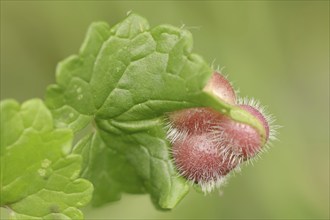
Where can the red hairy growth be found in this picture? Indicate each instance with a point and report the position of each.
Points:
(207, 145)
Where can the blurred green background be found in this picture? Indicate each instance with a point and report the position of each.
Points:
(275, 51)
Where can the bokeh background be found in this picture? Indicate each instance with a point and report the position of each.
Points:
(275, 51)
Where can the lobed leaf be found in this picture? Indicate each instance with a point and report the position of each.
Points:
(39, 179)
(123, 81)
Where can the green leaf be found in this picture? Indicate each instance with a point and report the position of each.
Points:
(39, 179)
(123, 81)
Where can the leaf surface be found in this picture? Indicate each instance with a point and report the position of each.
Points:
(39, 179)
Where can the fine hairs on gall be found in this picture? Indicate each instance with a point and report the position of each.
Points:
(207, 145)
